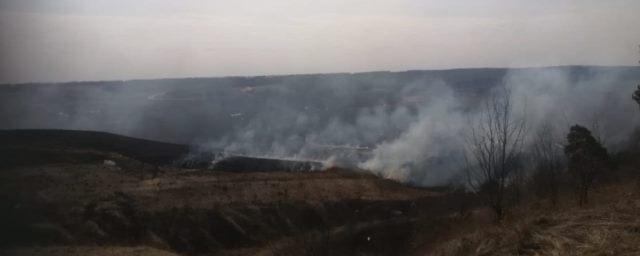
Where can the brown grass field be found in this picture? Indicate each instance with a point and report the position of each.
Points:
(62, 198)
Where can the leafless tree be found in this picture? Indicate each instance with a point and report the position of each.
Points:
(548, 160)
(636, 93)
(494, 148)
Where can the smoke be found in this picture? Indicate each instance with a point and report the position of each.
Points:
(408, 126)
(597, 98)
(435, 135)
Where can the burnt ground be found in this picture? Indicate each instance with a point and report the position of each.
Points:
(52, 146)
(253, 164)
(89, 193)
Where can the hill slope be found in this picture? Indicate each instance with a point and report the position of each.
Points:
(89, 189)
(609, 225)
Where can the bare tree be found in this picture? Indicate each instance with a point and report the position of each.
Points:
(548, 162)
(636, 93)
(494, 147)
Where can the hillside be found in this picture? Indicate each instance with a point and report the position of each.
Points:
(90, 199)
(57, 143)
(77, 195)
(609, 225)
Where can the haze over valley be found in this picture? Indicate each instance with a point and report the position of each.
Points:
(386, 122)
(301, 127)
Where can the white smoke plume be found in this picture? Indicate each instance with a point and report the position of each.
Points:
(408, 126)
(596, 99)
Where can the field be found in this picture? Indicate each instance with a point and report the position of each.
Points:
(80, 196)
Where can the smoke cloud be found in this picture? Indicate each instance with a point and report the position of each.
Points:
(596, 98)
(409, 126)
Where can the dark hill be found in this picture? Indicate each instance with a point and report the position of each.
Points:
(33, 147)
(19, 141)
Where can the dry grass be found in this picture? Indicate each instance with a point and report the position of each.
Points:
(610, 225)
(189, 211)
(80, 183)
(87, 250)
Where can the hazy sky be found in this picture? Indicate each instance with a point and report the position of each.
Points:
(65, 40)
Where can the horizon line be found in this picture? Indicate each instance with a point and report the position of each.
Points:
(310, 74)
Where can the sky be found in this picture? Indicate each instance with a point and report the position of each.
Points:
(79, 40)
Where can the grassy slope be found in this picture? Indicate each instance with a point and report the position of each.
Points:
(63, 197)
(608, 225)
